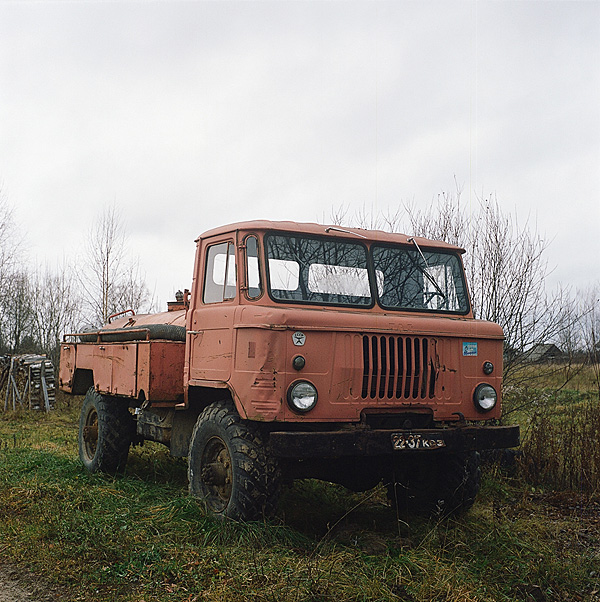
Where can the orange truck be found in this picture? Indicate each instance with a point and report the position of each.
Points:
(302, 351)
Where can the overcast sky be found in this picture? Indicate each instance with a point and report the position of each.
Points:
(189, 115)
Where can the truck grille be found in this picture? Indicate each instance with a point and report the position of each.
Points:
(398, 367)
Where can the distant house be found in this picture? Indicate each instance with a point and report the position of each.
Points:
(544, 353)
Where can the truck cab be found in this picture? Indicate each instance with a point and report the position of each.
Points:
(308, 351)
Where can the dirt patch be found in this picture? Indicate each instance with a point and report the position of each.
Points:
(17, 585)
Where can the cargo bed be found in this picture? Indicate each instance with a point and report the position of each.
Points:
(151, 370)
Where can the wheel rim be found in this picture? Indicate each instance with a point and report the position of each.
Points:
(90, 434)
(216, 474)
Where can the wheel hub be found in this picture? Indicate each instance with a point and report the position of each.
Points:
(90, 434)
(217, 472)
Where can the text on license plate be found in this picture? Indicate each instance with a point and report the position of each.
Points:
(410, 441)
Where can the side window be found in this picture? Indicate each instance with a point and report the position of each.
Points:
(220, 275)
(252, 270)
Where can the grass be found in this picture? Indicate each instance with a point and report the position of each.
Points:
(575, 376)
(139, 537)
(562, 447)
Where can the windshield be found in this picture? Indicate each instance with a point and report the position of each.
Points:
(324, 271)
(406, 280)
(317, 271)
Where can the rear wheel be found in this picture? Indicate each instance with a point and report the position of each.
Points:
(443, 484)
(229, 467)
(106, 430)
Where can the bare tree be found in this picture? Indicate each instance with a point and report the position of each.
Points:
(54, 295)
(506, 268)
(17, 314)
(111, 281)
(10, 245)
(507, 271)
(9, 256)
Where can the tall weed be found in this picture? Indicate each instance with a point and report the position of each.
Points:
(561, 442)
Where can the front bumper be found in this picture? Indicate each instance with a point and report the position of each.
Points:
(366, 442)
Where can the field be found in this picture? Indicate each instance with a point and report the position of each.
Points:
(534, 533)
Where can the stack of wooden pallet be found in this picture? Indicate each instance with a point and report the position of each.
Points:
(31, 374)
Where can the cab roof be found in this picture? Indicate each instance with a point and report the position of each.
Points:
(335, 231)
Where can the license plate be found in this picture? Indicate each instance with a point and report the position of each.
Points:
(410, 441)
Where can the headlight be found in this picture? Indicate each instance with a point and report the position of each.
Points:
(302, 396)
(488, 367)
(485, 398)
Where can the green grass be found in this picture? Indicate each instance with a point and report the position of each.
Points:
(575, 376)
(139, 537)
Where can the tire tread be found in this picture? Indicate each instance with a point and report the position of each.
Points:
(256, 478)
(116, 428)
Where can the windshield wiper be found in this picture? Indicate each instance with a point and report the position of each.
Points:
(335, 229)
(426, 272)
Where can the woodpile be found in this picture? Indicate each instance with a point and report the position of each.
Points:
(27, 381)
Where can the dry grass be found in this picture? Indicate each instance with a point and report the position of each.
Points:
(561, 447)
(558, 409)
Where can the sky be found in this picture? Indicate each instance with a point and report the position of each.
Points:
(189, 115)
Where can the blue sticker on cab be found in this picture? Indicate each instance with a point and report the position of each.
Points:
(470, 348)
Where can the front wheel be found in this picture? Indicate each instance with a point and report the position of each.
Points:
(106, 429)
(229, 466)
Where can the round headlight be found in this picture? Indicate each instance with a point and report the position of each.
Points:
(302, 396)
(485, 398)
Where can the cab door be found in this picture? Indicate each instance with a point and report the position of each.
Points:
(211, 324)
